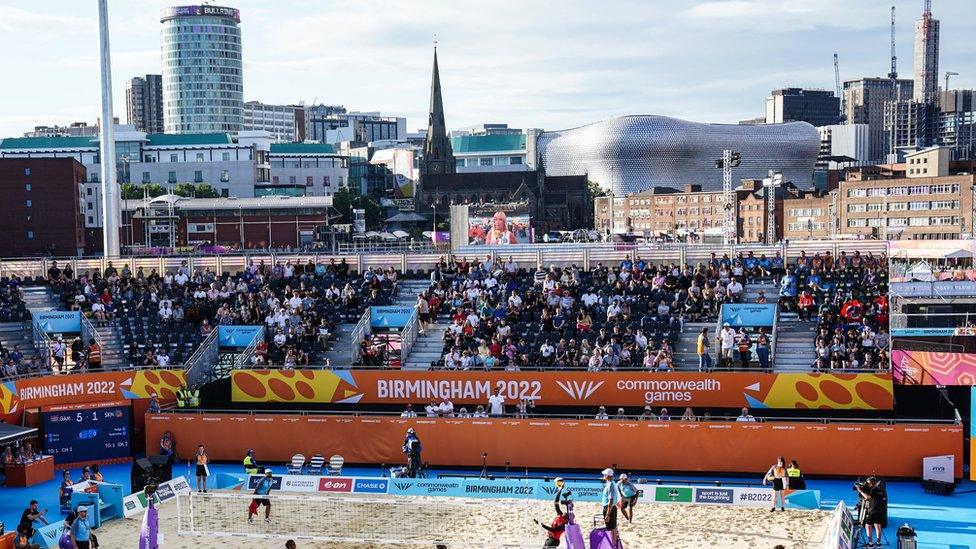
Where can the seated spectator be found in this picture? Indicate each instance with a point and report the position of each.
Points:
(408, 412)
(601, 413)
(648, 414)
(664, 416)
(621, 414)
(745, 415)
(805, 305)
(480, 412)
(689, 415)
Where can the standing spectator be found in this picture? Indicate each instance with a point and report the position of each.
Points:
(762, 349)
(94, 355)
(496, 404)
(745, 345)
(203, 469)
(58, 352)
(154, 407)
(726, 339)
(423, 313)
(704, 358)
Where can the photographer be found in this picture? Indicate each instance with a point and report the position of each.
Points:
(873, 500)
(412, 449)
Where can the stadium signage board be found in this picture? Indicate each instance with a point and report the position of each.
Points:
(927, 368)
(54, 390)
(135, 503)
(569, 388)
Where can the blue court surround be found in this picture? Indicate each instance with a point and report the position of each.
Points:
(941, 522)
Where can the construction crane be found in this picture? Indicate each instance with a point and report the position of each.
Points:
(837, 90)
(893, 75)
(948, 74)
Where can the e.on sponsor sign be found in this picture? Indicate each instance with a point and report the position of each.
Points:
(338, 484)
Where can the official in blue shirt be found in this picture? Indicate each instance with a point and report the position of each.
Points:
(609, 499)
(81, 530)
(263, 489)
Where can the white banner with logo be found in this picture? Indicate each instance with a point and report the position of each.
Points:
(135, 503)
(941, 468)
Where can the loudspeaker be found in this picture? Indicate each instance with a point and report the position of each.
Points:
(155, 467)
(938, 487)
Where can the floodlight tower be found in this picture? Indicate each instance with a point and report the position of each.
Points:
(111, 206)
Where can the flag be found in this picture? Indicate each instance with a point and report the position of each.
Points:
(149, 532)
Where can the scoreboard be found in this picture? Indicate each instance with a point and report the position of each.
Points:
(91, 433)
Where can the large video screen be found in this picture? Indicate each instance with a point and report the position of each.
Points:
(87, 434)
(499, 227)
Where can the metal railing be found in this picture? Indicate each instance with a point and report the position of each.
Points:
(88, 332)
(357, 336)
(932, 320)
(244, 358)
(575, 417)
(408, 336)
(201, 362)
(529, 256)
(41, 341)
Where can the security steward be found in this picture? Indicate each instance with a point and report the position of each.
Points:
(182, 397)
(193, 397)
(251, 466)
(797, 482)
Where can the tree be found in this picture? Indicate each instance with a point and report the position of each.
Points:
(131, 191)
(594, 190)
(345, 201)
(206, 190)
(184, 189)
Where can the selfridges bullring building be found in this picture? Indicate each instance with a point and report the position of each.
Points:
(630, 154)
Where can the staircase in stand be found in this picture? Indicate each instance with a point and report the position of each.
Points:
(795, 350)
(686, 349)
(40, 298)
(114, 354)
(429, 348)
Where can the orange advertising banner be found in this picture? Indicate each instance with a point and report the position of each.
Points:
(568, 388)
(38, 392)
(713, 447)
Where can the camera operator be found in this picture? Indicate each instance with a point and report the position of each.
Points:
(872, 499)
(412, 449)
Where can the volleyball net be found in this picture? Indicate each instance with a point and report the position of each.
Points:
(353, 519)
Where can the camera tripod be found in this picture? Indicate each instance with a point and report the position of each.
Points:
(858, 539)
(484, 465)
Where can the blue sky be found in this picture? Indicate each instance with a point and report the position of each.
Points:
(549, 64)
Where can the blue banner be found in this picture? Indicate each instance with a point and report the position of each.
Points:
(426, 487)
(389, 317)
(749, 315)
(484, 488)
(238, 336)
(58, 321)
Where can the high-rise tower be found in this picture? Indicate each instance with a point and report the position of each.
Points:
(203, 86)
(438, 155)
(926, 56)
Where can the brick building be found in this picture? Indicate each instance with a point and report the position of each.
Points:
(41, 212)
(171, 221)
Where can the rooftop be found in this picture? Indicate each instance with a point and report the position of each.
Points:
(301, 148)
(169, 139)
(265, 202)
(49, 142)
(488, 143)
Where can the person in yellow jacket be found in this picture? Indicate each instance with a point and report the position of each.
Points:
(797, 482)
(193, 397)
(181, 397)
(251, 466)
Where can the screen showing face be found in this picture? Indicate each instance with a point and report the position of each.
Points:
(90, 434)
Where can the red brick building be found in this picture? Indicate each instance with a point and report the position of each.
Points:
(171, 221)
(40, 213)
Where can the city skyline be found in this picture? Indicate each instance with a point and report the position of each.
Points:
(529, 66)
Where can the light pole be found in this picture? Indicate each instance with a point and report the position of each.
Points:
(730, 159)
(111, 207)
(771, 183)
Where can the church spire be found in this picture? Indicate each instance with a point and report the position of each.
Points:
(438, 155)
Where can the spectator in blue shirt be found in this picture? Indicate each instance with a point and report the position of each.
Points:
(787, 289)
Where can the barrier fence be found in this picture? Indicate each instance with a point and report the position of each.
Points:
(714, 447)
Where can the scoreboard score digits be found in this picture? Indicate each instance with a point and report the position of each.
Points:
(87, 435)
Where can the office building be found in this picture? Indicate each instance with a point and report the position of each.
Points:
(815, 107)
(203, 85)
(76, 129)
(864, 103)
(490, 152)
(41, 209)
(926, 58)
(909, 124)
(234, 165)
(957, 123)
(304, 169)
(844, 145)
(630, 154)
(285, 123)
(144, 103)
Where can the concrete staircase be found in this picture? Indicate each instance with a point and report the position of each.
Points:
(341, 353)
(426, 349)
(686, 350)
(40, 298)
(13, 333)
(751, 292)
(794, 347)
(114, 354)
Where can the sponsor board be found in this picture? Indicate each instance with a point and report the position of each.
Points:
(840, 529)
(389, 317)
(714, 496)
(501, 488)
(426, 487)
(135, 503)
(672, 494)
(941, 468)
(561, 388)
(754, 497)
(334, 484)
(371, 486)
(749, 315)
(58, 321)
(238, 336)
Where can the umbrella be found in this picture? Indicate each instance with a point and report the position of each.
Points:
(387, 236)
(401, 234)
(372, 234)
(406, 217)
(428, 234)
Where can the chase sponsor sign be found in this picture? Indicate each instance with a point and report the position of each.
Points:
(371, 486)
